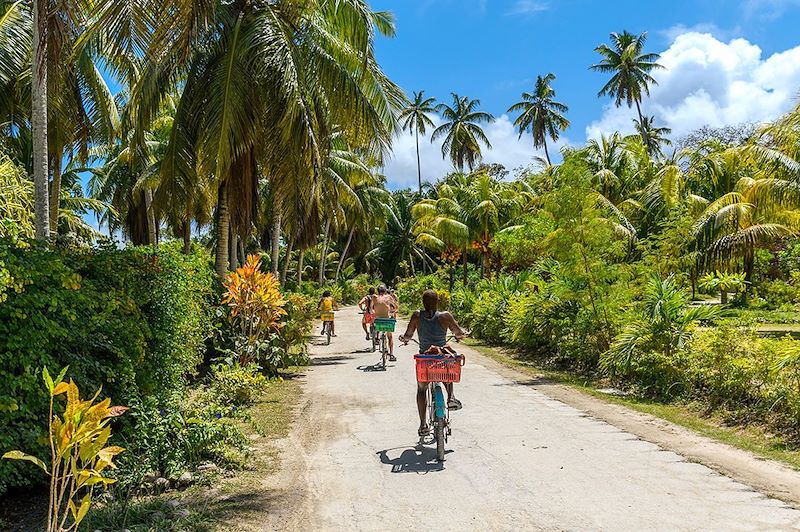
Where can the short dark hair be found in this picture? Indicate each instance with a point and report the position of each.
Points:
(430, 300)
(326, 293)
(382, 289)
(371, 290)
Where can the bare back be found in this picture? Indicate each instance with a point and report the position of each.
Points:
(383, 305)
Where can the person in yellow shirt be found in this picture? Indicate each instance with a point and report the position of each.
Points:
(326, 307)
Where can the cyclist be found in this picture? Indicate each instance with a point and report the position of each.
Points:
(385, 306)
(366, 307)
(325, 307)
(432, 326)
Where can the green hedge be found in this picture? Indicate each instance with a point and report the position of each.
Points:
(131, 321)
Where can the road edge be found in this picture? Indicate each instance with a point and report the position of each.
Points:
(768, 477)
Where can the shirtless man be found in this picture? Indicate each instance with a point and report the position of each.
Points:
(366, 307)
(385, 306)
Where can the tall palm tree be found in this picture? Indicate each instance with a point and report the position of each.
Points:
(254, 68)
(462, 132)
(541, 114)
(631, 70)
(653, 136)
(414, 118)
(41, 16)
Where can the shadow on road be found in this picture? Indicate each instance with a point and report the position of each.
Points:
(418, 459)
(374, 367)
(330, 361)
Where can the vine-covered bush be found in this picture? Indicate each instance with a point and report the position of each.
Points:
(131, 321)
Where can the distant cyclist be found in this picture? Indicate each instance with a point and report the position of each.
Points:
(366, 307)
(325, 307)
(431, 327)
(385, 306)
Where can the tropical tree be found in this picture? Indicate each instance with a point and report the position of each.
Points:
(631, 70)
(541, 114)
(462, 132)
(414, 118)
(398, 243)
(656, 136)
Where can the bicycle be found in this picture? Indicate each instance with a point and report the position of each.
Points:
(373, 335)
(438, 369)
(327, 319)
(382, 326)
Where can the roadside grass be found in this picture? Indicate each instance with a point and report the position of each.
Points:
(218, 499)
(752, 438)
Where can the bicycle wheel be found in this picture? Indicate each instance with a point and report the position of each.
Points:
(439, 435)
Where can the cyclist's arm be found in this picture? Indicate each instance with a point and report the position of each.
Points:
(453, 325)
(362, 303)
(411, 329)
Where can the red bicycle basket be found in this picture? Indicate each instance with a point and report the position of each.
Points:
(438, 369)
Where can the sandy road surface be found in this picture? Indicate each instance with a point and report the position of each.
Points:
(519, 460)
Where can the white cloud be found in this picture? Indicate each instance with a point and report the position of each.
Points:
(527, 7)
(507, 149)
(710, 82)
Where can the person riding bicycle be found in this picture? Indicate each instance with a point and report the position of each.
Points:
(431, 327)
(325, 307)
(385, 306)
(366, 307)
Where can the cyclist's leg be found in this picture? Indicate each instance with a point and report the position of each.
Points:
(452, 402)
(390, 336)
(364, 325)
(422, 403)
(333, 329)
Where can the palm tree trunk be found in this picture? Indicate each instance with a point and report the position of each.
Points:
(547, 154)
(242, 256)
(275, 247)
(39, 118)
(55, 193)
(287, 260)
(419, 167)
(223, 232)
(344, 252)
(645, 140)
(452, 277)
(300, 261)
(234, 259)
(324, 255)
(187, 237)
(151, 217)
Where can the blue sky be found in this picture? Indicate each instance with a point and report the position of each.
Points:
(730, 61)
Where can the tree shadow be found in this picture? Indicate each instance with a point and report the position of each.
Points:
(418, 459)
(329, 361)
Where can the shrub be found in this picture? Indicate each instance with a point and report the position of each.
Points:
(256, 308)
(130, 321)
(236, 385)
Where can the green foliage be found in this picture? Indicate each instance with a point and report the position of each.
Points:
(130, 321)
(520, 246)
(236, 385)
(409, 291)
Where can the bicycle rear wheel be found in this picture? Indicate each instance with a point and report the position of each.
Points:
(439, 435)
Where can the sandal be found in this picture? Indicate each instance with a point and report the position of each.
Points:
(454, 404)
(424, 430)
(392, 358)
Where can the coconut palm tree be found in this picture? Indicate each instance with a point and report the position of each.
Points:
(541, 114)
(415, 119)
(41, 16)
(631, 70)
(656, 136)
(462, 133)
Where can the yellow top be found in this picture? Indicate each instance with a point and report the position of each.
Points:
(326, 305)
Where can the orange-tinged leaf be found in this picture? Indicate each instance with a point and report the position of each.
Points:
(60, 388)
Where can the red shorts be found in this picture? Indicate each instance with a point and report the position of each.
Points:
(369, 318)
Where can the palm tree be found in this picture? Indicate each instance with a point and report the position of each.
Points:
(398, 243)
(462, 132)
(414, 118)
(41, 16)
(541, 114)
(631, 69)
(254, 68)
(655, 136)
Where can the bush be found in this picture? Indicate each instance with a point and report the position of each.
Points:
(130, 321)
(236, 385)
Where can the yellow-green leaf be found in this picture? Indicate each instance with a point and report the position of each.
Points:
(86, 503)
(19, 455)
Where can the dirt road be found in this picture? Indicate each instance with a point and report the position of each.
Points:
(519, 460)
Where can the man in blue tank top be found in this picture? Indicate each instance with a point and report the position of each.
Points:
(431, 327)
